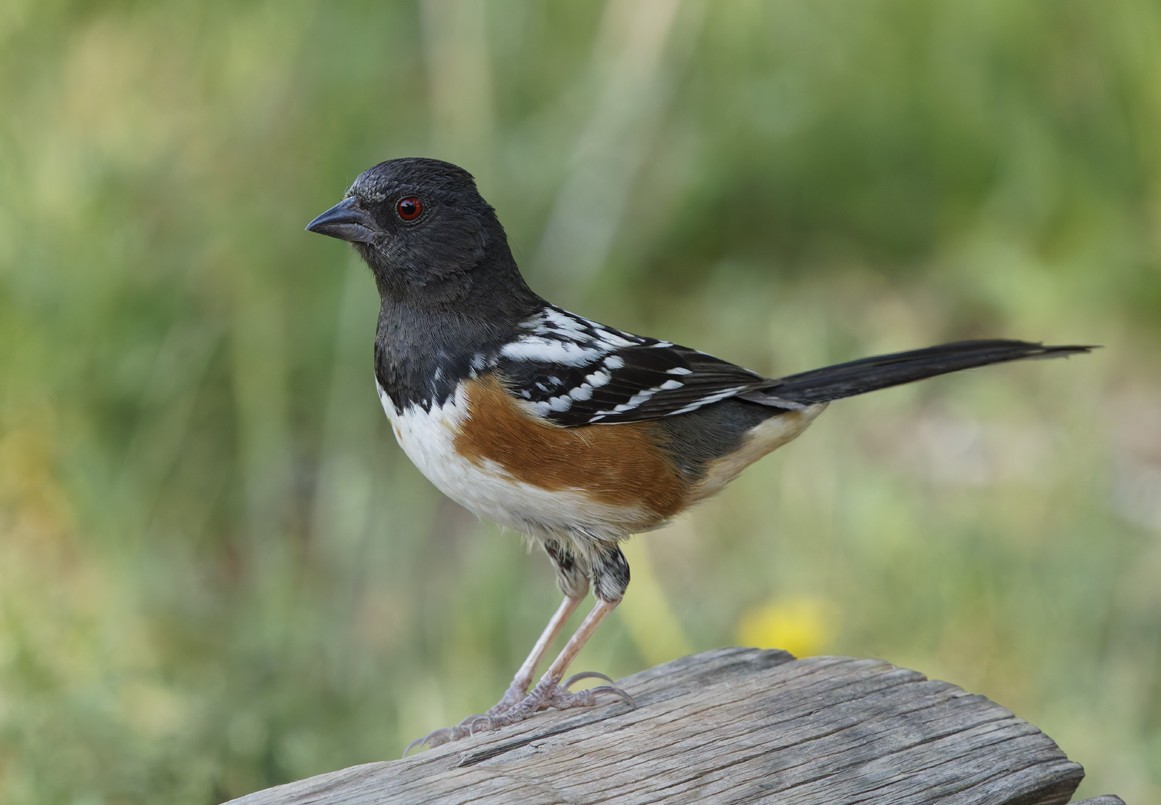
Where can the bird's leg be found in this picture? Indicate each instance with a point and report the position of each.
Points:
(610, 577)
(572, 577)
(548, 691)
(523, 679)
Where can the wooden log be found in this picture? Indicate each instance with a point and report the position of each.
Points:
(736, 725)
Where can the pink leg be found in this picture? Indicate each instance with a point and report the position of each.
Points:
(548, 693)
(523, 679)
(555, 672)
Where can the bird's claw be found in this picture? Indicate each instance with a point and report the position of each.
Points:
(612, 690)
(510, 710)
(445, 735)
(572, 680)
(432, 739)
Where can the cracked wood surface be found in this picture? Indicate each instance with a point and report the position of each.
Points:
(735, 725)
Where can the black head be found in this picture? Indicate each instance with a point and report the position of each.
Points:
(427, 235)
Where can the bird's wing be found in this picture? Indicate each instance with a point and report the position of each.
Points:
(573, 371)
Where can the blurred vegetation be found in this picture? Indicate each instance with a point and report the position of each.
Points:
(217, 571)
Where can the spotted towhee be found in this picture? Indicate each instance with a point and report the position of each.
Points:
(572, 432)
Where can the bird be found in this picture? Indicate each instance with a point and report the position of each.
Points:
(571, 432)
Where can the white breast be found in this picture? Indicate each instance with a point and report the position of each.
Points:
(490, 491)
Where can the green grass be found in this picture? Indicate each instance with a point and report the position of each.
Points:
(217, 571)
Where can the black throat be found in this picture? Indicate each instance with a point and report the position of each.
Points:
(422, 354)
(444, 315)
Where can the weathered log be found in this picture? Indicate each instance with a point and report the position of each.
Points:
(736, 725)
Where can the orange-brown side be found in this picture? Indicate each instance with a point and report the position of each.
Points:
(617, 465)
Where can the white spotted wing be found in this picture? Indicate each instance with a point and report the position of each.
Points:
(573, 371)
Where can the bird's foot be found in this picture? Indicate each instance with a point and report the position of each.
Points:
(516, 705)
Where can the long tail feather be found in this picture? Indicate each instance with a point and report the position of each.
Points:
(883, 371)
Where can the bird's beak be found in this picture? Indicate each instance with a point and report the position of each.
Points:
(345, 221)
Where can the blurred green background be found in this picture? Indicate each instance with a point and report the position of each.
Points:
(219, 573)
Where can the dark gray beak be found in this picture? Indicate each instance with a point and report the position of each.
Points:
(345, 221)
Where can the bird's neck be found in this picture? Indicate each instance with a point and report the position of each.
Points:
(423, 352)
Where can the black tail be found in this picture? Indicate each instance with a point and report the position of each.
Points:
(883, 371)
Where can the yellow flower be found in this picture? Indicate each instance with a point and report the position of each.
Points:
(803, 626)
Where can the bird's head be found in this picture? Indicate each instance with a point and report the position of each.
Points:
(422, 227)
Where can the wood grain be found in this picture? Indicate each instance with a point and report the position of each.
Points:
(736, 725)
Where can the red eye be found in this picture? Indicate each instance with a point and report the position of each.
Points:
(409, 208)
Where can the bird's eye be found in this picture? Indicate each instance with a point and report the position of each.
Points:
(409, 208)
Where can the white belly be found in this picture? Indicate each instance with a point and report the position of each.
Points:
(490, 491)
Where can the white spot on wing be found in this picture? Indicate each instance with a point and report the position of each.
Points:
(582, 392)
(611, 338)
(709, 399)
(546, 350)
(636, 401)
(598, 378)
